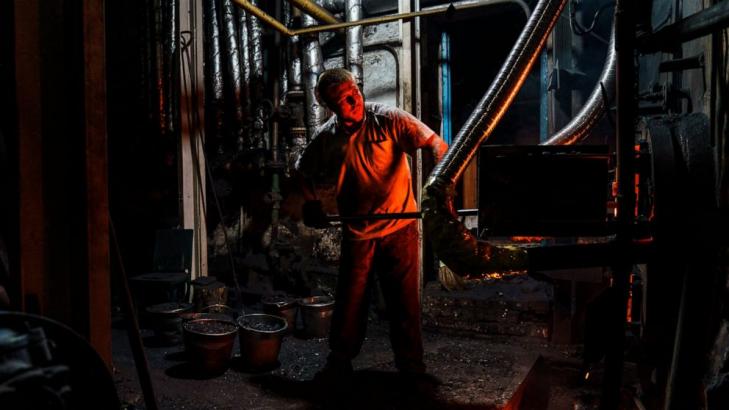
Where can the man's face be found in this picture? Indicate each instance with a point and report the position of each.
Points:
(347, 103)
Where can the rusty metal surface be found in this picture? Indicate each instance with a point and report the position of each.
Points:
(98, 283)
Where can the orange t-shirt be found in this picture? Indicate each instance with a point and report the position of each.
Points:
(373, 170)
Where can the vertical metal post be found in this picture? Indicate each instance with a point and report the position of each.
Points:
(625, 142)
(543, 99)
(445, 75)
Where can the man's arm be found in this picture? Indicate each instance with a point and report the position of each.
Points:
(413, 134)
(437, 146)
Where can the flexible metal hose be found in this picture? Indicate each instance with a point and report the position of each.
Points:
(596, 106)
(453, 243)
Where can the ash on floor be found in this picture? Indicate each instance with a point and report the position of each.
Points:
(475, 373)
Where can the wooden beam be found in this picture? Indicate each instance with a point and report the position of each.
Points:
(470, 187)
(192, 162)
(32, 257)
(97, 198)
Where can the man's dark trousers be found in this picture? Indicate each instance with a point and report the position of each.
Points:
(395, 258)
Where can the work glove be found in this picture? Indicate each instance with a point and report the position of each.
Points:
(314, 216)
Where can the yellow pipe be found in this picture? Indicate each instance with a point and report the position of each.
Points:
(264, 17)
(368, 22)
(275, 24)
(314, 10)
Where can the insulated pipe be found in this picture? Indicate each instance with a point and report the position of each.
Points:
(213, 72)
(597, 104)
(255, 31)
(293, 51)
(315, 10)
(294, 64)
(353, 41)
(313, 66)
(167, 73)
(245, 62)
(281, 44)
(334, 6)
(234, 89)
(455, 245)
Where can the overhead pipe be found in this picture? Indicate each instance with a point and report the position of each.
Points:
(235, 102)
(429, 11)
(353, 41)
(596, 106)
(313, 66)
(455, 245)
(255, 32)
(214, 99)
(315, 10)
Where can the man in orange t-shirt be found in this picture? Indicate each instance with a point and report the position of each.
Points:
(363, 150)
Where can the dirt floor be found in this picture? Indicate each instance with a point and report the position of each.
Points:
(473, 373)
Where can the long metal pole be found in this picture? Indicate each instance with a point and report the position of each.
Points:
(625, 147)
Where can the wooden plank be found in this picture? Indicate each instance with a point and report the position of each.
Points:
(97, 199)
(470, 189)
(32, 258)
(192, 182)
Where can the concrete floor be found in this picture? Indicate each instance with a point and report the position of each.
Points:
(476, 373)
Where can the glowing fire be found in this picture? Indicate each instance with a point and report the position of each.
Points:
(497, 275)
(527, 239)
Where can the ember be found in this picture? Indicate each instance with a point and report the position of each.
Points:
(527, 239)
(497, 275)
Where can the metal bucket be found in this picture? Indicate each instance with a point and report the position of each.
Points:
(316, 314)
(260, 339)
(223, 309)
(282, 306)
(188, 316)
(166, 321)
(209, 344)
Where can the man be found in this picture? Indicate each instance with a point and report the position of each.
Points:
(362, 149)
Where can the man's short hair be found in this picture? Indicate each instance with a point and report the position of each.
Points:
(331, 78)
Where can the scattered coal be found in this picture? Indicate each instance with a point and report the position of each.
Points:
(261, 325)
(210, 326)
